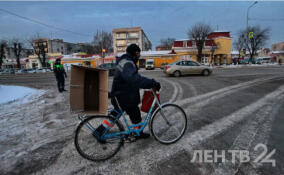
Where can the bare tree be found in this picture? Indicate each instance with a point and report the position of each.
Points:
(240, 44)
(17, 47)
(255, 39)
(168, 42)
(199, 33)
(213, 48)
(40, 48)
(88, 48)
(3, 46)
(102, 40)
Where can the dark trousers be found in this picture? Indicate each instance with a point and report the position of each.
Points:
(60, 84)
(134, 114)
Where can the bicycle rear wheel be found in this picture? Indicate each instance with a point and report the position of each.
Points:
(168, 123)
(88, 145)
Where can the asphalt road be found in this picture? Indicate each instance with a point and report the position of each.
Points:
(232, 109)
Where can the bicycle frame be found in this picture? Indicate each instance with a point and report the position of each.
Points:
(130, 128)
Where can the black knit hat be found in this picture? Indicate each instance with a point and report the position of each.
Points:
(132, 49)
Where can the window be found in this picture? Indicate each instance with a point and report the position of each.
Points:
(133, 35)
(121, 35)
(191, 63)
(120, 42)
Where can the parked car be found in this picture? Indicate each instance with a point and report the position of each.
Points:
(8, 71)
(261, 60)
(150, 64)
(109, 66)
(31, 71)
(246, 61)
(186, 67)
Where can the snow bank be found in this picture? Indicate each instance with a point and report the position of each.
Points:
(10, 94)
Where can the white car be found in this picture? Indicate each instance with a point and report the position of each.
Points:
(31, 70)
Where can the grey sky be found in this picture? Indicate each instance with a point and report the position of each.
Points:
(158, 19)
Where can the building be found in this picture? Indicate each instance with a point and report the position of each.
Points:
(159, 57)
(277, 52)
(53, 48)
(10, 60)
(219, 43)
(123, 37)
(57, 46)
(159, 48)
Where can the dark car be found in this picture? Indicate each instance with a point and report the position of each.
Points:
(109, 66)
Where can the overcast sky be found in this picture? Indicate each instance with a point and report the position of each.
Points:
(158, 19)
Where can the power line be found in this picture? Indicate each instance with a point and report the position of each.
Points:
(267, 19)
(46, 25)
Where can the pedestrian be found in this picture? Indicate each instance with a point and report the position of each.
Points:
(127, 81)
(60, 75)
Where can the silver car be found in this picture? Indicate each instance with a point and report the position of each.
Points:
(186, 67)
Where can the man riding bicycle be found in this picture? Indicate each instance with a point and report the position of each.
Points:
(127, 81)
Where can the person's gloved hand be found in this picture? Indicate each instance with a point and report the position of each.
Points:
(157, 86)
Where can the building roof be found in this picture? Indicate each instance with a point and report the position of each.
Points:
(126, 29)
(151, 53)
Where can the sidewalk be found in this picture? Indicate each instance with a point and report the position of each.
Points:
(246, 66)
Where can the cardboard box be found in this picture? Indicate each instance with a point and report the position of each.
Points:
(88, 90)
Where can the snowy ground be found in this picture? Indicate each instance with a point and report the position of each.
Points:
(11, 94)
(29, 119)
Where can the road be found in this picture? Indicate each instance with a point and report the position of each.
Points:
(233, 109)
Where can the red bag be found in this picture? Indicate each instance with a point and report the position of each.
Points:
(148, 99)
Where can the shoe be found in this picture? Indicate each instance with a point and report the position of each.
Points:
(143, 135)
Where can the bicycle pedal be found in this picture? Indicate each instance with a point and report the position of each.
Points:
(130, 139)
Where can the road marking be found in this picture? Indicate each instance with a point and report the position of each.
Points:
(204, 99)
(260, 126)
(175, 89)
(227, 122)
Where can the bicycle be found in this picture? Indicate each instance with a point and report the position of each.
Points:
(168, 123)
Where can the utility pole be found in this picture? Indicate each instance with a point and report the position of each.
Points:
(248, 19)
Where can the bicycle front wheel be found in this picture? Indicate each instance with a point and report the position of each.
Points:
(168, 123)
(88, 145)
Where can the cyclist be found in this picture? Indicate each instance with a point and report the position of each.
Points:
(127, 81)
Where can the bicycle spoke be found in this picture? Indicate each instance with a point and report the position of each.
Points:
(168, 124)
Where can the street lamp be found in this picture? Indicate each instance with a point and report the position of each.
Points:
(248, 12)
(247, 32)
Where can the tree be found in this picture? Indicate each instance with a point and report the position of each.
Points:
(199, 33)
(17, 47)
(168, 42)
(40, 48)
(88, 48)
(213, 48)
(3, 46)
(102, 40)
(240, 44)
(255, 39)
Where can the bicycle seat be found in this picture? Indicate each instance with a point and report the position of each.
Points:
(113, 94)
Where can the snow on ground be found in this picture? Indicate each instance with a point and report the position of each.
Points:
(12, 93)
(31, 122)
(246, 65)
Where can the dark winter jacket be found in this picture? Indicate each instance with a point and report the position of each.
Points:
(59, 72)
(128, 81)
